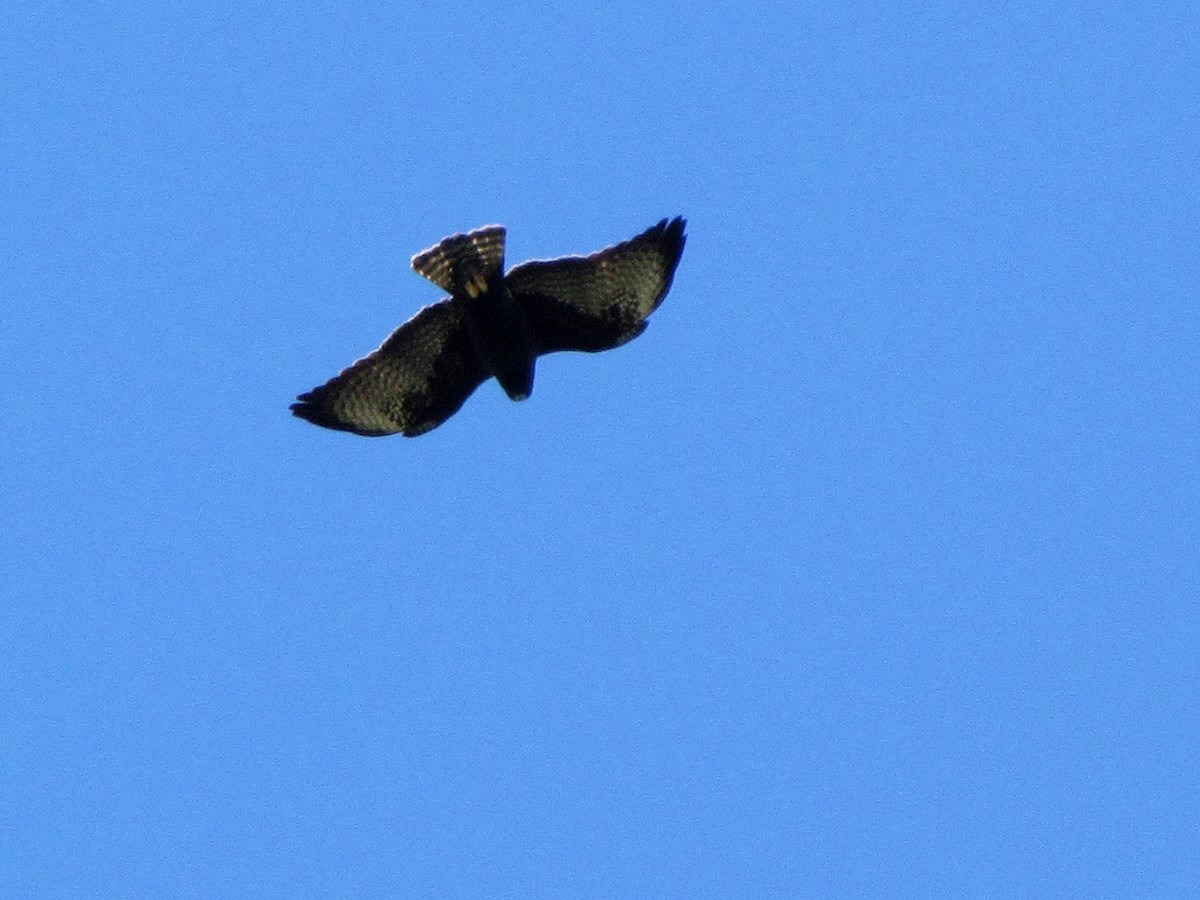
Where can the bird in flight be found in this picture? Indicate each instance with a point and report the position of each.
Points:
(495, 325)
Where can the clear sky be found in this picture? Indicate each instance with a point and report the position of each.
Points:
(869, 570)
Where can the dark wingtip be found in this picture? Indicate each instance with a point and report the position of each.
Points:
(670, 238)
(310, 411)
(673, 234)
(670, 233)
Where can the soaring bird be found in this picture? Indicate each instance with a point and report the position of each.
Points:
(495, 325)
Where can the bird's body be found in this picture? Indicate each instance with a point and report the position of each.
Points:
(503, 338)
(495, 325)
(499, 330)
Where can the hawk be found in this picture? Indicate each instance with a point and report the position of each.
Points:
(495, 325)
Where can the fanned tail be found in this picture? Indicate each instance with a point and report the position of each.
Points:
(462, 260)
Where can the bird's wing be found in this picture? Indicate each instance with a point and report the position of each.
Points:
(600, 301)
(417, 379)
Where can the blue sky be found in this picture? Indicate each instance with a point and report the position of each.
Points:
(869, 570)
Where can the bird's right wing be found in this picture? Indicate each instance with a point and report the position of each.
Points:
(600, 301)
(417, 379)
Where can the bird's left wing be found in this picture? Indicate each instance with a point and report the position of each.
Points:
(417, 379)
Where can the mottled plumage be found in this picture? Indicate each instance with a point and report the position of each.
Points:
(494, 324)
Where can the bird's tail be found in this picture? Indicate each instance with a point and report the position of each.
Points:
(463, 260)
